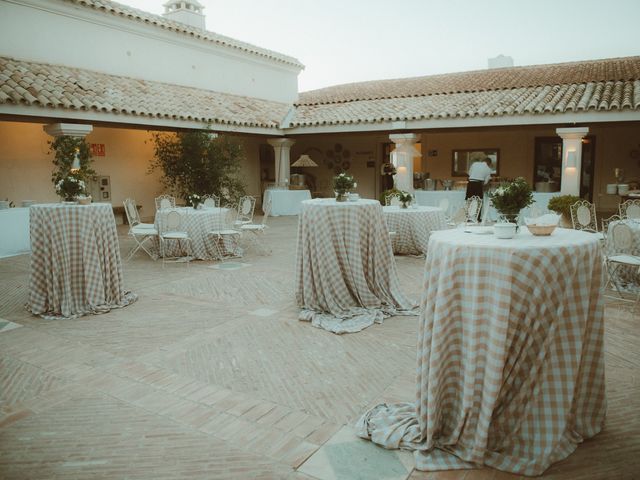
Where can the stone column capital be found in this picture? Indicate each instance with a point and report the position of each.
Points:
(70, 129)
(281, 142)
(403, 138)
(572, 133)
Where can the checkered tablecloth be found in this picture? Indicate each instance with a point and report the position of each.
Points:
(198, 223)
(75, 261)
(412, 226)
(510, 367)
(627, 277)
(346, 276)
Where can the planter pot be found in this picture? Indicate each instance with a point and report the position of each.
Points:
(565, 221)
(342, 196)
(404, 205)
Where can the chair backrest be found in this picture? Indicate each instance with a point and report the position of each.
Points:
(246, 206)
(606, 222)
(472, 208)
(211, 201)
(170, 221)
(444, 204)
(583, 216)
(131, 211)
(630, 209)
(393, 200)
(620, 238)
(165, 201)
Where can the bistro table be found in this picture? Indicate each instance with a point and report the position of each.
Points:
(412, 226)
(75, 261)
(198, 223)
(346, 276)
(510, 367)
(627, 277)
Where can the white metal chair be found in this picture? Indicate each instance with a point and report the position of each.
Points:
(255, 231)
(583, 217)
(246, 207)
(630, 209)
(225, 237)
(140, 232)
(165, 201)
(618, 246)
(392, 200)
(210, 201)
(472, 209)
(171, 228)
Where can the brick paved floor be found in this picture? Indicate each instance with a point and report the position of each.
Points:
(210, 375)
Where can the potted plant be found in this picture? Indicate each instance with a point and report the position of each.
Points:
(194, 200)
(511, 197)
(70, 187)
(562, 206)
(405, 199)
(342, 184)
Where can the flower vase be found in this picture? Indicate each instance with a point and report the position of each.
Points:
(404, 205)
(509, 218)
(342, 196)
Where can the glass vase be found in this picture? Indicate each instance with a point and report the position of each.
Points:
(509, 218)
(342, 196)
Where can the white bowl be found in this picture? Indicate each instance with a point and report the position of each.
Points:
(623, 189)
(505, 230)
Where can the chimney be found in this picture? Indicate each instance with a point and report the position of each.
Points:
(188, 12)
(501, 61)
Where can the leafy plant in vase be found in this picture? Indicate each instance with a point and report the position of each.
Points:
(342, 185)
(405, 199)
(70, 187)
(511, 197)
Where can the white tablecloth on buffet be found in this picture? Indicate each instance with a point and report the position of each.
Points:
(75, 261)
(346, 276)
(285, 202)
(14, 232)
(510, 367)
(432, 198)
(198, 223)
(412, 227)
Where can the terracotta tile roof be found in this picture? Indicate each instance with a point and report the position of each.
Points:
(125, 11)
(612, 84)
(56, 86)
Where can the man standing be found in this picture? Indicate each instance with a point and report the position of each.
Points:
(479, 176)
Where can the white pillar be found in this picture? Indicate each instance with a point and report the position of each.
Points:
(282, 149)
(571, 159)
(402, 158)
(70, 129)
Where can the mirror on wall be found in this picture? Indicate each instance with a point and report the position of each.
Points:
(462, 160)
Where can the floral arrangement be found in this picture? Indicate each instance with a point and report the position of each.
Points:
(194, 200)
(511, 197)
(70, 187)
(405, 198)
(343, 183)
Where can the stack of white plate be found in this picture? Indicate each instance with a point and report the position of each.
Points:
(4, 204)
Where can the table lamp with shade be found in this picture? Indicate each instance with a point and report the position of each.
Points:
(300, 180)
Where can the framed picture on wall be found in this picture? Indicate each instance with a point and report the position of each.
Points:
(462, 159)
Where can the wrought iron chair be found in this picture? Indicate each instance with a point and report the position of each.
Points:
(618, 248)
(630, 209)
(165, 201)
(255, 231)
(583, 217)
(171, 228)
(472, 208)
(140, 232)
(246, 207)
(225, 237)
(392, 200)
(210, 201)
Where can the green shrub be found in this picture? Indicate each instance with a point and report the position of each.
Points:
(562, 204)
(386, 193)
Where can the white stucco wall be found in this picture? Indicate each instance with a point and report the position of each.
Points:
(25, 165)
(61, 33)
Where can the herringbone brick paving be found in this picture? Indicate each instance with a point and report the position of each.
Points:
(186, 383)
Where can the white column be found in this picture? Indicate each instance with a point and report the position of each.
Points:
(282, 149)
(571, 159)
(402, 158)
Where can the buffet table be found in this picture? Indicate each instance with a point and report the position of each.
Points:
(14, 231)
(75, 261)
(510, 367)
(412, 227)
(432, 198)
(346, 276)
(285, 202)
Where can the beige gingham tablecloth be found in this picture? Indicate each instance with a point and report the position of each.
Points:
(75, 261)
(412, 226)
(627, 277)
(198, 223)
(346, 276)
(510, 359)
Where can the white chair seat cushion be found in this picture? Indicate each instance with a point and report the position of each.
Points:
(137, 230)
(145, 225)
(253, 226)
(224, 232)
(241, 222)
(626, 259)
(175, 235)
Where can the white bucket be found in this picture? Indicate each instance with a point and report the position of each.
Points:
(612, 188)
(623, 189)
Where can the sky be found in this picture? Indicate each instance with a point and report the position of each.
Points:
(344, 41)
